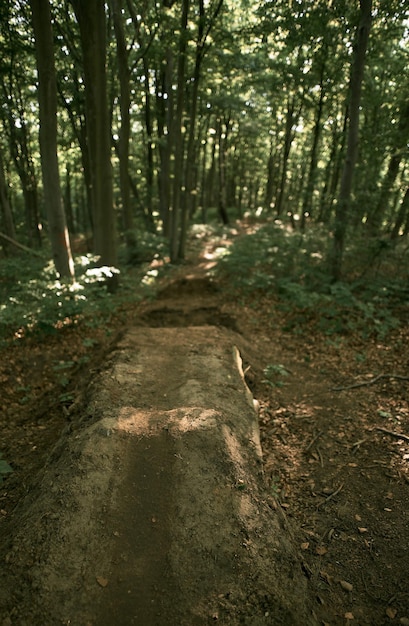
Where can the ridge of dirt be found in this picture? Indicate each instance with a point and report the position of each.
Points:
(333, 458)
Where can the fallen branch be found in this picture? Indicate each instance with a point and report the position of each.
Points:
(20, 245)
(314, 440)
(370, 382)
(392, 433)
(331, 495)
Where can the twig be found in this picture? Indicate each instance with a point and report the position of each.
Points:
(314, 440)
(392, 433)
(320, 456)
(355, 446)
(332, 495)
(370, 382)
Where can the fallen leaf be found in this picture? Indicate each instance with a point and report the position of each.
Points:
(321, 550)
(326, 577)
(305, 545)
(102, 581)
(362, 530)
(349, 616)
(391, 612)
(346, 586)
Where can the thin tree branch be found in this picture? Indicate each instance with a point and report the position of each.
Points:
(392, 433)
(20, 245)
(370, 382)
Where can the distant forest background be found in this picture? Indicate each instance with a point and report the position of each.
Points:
(124, 122)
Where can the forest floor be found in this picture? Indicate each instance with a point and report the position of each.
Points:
(334, 420)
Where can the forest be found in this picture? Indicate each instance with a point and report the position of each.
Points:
(124, 123)
(235, 165)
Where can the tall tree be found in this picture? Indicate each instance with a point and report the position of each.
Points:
(47, 97)
(124, 75)
(177, 171)
(400, 147)
(91, 19)
(5, 209)
(355, 89)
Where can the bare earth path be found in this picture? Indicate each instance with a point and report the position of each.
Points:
(154, 506)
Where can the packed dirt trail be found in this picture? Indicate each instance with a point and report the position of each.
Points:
(174, 495)
(158, 516)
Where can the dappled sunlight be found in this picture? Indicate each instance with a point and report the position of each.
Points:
(144, 422)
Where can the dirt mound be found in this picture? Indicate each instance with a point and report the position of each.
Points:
(152, 509)
(189, 285)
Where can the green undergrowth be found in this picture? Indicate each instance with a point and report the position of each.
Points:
(291, 268)
(33, 301)
(274, 261)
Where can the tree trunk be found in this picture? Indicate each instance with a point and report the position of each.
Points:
(125, 129)
(21, 155)
(269, 193)
(289, 136)
(92, 24)
(71, 221)
(164, 107)
(355, 89)
(191, 144)
(376, 217)
(47, 97)
(150, 167)
(222, 143)
(312, 173)
(177, 170)
(403, 214)
(5, 207)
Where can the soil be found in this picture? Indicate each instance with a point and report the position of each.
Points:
(333, 415)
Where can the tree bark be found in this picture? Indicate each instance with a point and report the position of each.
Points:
(177, 170)
(92, 24)
(125, 129)
(403, 214)
(6, 208)
(376, 217)
(190, 156)
(291, 118)
(164, 108)
(47, 97)
(312, 172)
(355, 89)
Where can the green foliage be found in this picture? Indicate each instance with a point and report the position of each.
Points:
(289, 266)
(33, 301)
(273, 374)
